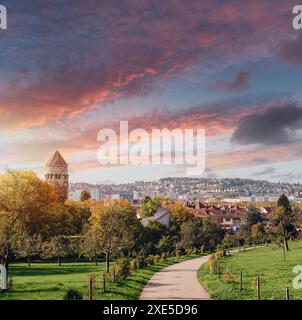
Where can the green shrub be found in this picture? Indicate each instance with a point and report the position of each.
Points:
(133, 264)
(141, 261)
(73, 294)
(213, 263)
(164, 257)
(228, 277)
(150, 260)
(157, 259)
(122, 268)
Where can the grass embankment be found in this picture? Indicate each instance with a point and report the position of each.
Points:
(48, 281)
(267, 262)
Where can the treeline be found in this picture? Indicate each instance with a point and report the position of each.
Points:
(34, 224)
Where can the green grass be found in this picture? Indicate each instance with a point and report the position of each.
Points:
(267, 262)
(48, 281)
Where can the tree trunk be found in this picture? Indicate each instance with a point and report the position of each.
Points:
(286, 244)
(95, 260)
(4, 276)
(28, 261)
(107, 262)
(59, 261)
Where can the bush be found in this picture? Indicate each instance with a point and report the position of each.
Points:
(134, 265)
(73, 294)
(164, 257)
(122, 268)
(150, 260)
(228, 276)
(142, 263)
(213, 263)
(157, 259)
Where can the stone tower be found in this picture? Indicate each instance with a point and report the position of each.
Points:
(57, 173)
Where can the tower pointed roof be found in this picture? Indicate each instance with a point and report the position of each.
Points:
(56, 161)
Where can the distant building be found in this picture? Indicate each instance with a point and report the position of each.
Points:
(57, 174)
(96, 193)
(161, 215)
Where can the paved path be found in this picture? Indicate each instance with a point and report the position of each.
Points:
(176, 282)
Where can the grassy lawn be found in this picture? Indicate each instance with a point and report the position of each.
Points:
(48, 281)
(267, 262)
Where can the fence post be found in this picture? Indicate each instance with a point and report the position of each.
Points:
(258, 288)
(90, 287)
(240, 286)
(104, 282)
(286, 293)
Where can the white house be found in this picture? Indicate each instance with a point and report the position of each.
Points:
(161, 215)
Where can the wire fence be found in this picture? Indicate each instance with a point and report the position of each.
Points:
(235, 283)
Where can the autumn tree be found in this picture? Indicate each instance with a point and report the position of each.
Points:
(115, 226)
(283, 219)
(85, 195)
(253, 216)
(150, 206)
(191, 234)
(25, 206)
(90, 246)
(152, 234)
(179, 215)
(57, 247)
(31, 247)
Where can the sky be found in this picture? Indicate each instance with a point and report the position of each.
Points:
(69, 68)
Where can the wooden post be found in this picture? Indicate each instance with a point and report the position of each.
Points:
(90, 288)
(241, 286)
(286, 293)
(104, 282)
(258, 288)
(4, 278)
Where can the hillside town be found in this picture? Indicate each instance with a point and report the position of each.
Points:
(208, 190)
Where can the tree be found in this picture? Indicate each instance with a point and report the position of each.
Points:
(152, 234)
(179, 215)
(283, 219)
(253, 216)
(25, 206)
(57, 247)
(165, 244)
(90, 247)
(31, 247)
(12, 236)
(85, 195)
(258, 233)
(150, 206)
(78, 214)
(212, 234)
(115, 227)
(191, 234)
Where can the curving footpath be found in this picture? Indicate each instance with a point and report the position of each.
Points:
(177, 282)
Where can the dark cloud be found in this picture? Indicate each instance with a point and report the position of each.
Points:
(258, 160)
(241, 81)
(267, 171)
(291, 51)
(274, 126)
(61, 58)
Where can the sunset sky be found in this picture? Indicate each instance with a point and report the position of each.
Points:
(71, 67)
